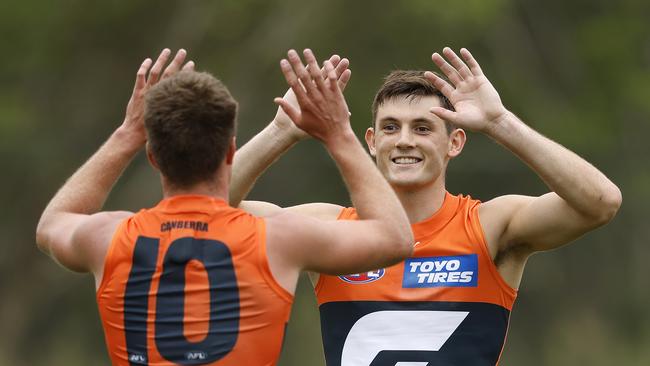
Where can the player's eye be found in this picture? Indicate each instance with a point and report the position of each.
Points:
(391, 127)
(422, 129)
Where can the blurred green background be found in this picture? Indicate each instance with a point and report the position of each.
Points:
(577, 71)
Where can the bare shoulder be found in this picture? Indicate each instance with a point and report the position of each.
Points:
(93, 236)
(102, 221)
(496, 214)
(503, 206)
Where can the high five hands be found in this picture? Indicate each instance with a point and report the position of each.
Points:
(283, 121)
(322, 112)
(146, 77)
(476, 102)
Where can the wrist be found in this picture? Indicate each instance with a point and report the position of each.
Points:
(287, 131)
(129, 138)
(501, 124)
(340, 140)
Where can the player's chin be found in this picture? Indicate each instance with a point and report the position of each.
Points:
(406, 181)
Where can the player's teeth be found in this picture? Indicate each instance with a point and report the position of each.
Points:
(405, 160)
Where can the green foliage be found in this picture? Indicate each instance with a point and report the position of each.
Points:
(578, 72)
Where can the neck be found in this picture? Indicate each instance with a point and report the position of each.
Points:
(422, 202)
(217, 186)
(212, 188)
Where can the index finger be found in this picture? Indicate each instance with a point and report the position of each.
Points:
(447, 69)
(301, 72)
(440, 84)
(140, 76)
(293, 81)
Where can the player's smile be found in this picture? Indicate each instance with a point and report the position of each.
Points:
(409, 143)
(406, 160)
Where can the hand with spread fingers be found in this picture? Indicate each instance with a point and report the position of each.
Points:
(323, 112)
(283, 121)
(146, 77)
(476, 102)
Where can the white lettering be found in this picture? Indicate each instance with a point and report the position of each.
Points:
(453, 276)
(422, 277)
(427, 266)
(137, 358)
(440, 265)
(414, 266)
(196, 355)
(466, 276)
(453, 265)
(440, 277)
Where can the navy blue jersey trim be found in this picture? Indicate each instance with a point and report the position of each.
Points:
(478, 340)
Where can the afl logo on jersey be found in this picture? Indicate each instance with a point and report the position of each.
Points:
(364, 277)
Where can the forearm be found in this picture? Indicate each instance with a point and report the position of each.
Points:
(371, 195)
(86, 190)
(574, 179)
(252, 159)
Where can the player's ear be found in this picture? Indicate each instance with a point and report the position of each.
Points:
(457, 139)
(151, 158)
(370, 141)
(232, 148)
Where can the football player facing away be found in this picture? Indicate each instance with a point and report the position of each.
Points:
(193, 281)
(449, 303)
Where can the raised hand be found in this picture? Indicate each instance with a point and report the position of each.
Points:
(323, 112)
(146, 77)
(282, 120)
(477, 104)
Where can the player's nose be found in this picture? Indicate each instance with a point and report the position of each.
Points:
(405, 139)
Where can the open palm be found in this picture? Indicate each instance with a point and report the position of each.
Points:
(322, 111)
(476, 102)
(147, 77)
(281, 118)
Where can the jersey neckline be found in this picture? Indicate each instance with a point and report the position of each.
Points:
(439, 219)
(190, 202)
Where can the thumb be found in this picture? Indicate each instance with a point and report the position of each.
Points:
(445, 114)
(293, 114)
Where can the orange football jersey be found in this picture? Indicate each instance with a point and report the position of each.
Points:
(445, 305)
(187, 282)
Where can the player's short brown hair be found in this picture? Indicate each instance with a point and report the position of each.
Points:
(408, 84)
(190, 119)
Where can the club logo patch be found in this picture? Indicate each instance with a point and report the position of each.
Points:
(364, 277)
(450, 271)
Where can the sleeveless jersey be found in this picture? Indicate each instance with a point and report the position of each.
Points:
(188, 283)
(446, 305)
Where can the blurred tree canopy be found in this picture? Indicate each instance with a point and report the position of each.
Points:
(577, 71)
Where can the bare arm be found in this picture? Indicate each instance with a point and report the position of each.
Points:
(252, 159)
(383, 234)
(318, 210)
(70, 229)
(582, 197)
